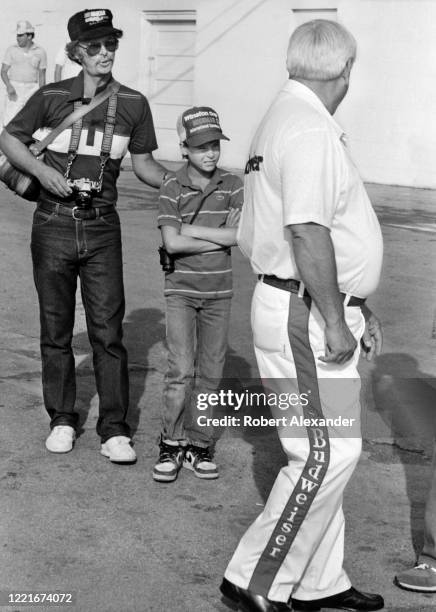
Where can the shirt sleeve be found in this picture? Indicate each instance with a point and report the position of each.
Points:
(143, 137)
(8, 56)
(168, 207)
(310, 184)
(61, 57)
(29, 119)
(43, 62)
(237, 194)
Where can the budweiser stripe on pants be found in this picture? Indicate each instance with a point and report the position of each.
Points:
(296, 545)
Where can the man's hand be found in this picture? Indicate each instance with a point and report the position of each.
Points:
(233, 217)
(12, 94)
(53, 181)
(372, 339)
(340, 344)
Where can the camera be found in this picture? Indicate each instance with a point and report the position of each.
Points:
(84, 190)
(165, 260)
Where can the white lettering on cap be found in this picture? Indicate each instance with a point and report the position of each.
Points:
(96, 16)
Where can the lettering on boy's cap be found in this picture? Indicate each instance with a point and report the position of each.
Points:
(198, 125)
(92, 23)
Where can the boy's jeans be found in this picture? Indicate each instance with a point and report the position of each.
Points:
(196, 331)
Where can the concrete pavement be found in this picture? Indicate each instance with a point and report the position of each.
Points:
(121, 542)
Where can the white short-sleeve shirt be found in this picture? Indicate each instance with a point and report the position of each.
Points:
(300, 171)
(70, 69)
(25, 64)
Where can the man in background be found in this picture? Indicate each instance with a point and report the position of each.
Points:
(23, 70)
(65, 68)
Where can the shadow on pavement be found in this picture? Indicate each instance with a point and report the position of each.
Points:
(143, 328)
(405, 397)
(267, 453)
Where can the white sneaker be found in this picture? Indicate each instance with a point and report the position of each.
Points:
(118, 450)
(61, 439)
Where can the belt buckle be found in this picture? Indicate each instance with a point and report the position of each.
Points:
(73, 213)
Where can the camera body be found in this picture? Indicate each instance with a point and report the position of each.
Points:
(166, 260)
(84, 190)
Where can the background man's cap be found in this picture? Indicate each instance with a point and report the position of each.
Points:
(25, 27)
(91, 23)
(198, 125)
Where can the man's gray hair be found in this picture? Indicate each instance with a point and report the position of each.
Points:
(318, 50)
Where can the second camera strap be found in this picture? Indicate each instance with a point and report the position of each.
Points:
(109, 127)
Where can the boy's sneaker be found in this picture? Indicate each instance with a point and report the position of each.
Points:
(422, 578)
(200, 462)
(169, 463)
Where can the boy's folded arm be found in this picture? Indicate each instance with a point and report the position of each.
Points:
(223, 236)
(176, 243)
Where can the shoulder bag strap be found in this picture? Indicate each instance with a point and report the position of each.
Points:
(38, 148)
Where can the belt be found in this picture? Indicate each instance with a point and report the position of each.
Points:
(293, 286)
(78, 213)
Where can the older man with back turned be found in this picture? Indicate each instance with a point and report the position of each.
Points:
(314, 241)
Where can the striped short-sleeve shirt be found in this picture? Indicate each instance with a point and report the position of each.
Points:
(50, 105)
(204, 275)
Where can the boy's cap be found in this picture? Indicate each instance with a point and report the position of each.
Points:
(198, 125)
(25, 27)
(91, 23)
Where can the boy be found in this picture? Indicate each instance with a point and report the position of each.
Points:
(199, 210)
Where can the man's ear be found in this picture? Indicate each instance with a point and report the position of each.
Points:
(183, 149)
(347, 70)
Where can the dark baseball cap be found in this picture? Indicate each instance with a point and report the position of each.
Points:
(198, 125)
(92, 23)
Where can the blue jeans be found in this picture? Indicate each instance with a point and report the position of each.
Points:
(63, 249)
(197, 342)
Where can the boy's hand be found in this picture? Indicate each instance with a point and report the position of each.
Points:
(233, 217)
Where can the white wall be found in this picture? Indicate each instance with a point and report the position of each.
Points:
(241, 50)
(389, 113)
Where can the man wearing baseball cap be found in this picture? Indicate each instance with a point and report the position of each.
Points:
(198, 214)
(76, 229)
(23, 70)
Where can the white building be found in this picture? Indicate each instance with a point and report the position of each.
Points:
(230, 54)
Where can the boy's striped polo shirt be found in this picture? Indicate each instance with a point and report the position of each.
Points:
(203, 275)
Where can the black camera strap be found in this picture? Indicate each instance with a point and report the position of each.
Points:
(109, 127)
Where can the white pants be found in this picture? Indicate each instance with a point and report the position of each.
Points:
(296, 545)
(24, 91)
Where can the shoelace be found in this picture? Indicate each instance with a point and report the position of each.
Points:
(168, 452)
(203, 454)
(425, 566)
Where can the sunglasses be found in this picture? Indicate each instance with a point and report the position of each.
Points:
(94, 48)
